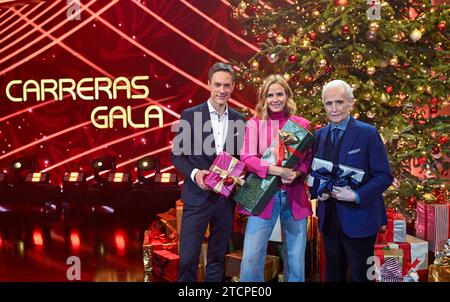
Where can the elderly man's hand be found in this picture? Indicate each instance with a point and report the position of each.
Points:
(344, 194)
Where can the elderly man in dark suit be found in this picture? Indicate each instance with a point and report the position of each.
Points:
(204, 131)
(350, 217)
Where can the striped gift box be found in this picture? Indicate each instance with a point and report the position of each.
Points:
(433, 224)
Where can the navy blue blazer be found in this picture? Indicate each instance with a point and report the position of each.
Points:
(361, 148)
(185, 161)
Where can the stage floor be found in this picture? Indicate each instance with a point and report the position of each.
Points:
(37, 248)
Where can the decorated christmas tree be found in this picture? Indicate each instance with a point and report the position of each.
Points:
(395, 54)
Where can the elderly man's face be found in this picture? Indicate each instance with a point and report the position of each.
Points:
(337, 105)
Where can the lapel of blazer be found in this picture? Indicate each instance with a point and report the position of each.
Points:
(349, 138)
(322, 141)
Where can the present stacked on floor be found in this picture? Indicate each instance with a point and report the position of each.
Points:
(225, 173)
(411, 255)
(159, 236)
(395, 230)
(284, 151)
(433, 223)
(440, 270)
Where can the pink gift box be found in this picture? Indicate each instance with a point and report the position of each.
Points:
(433, 224)
(225, 172)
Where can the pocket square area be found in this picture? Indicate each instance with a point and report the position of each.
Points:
(354, 151)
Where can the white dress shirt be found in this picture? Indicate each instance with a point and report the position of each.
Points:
(219, 124)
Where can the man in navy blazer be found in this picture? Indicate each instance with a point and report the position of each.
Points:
(349, 218)
(203, 131)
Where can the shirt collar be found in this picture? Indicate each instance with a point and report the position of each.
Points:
(212, 110)
(342, 125)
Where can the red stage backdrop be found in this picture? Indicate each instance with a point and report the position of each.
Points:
(62, 74)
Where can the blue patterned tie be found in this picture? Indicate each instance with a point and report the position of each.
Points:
(335, 135)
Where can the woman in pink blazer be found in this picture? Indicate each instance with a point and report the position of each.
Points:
(275, 106)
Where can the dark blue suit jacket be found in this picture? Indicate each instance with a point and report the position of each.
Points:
(185, 161)
(361, 148)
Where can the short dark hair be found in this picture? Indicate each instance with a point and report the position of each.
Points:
(219, 66)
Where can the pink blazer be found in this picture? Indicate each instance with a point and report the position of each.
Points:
(255, 144)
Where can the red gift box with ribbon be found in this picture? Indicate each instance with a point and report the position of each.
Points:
(225, 172)
(166, 265)
(395, 230)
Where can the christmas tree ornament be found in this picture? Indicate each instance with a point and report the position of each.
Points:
(371, 113)
(443, 139)
(300, 30)
(242, 5)
(441, 25)
(356, 115)
(345, 30)
(272, 57)
(374, 26)
(396, 38)
(286, 76)
(315, 13)
(254, 65)
(357, 57)
(240, 86)
(415, 35)
(280, 39)
(312, 35)
(305, 43)
(292, 58)
(322, 63)
(408, 108)
(393, 61)
(341, 2)
(370, 70)
(389, 89)
(322, 28)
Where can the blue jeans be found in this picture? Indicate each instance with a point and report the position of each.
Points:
(257, 234)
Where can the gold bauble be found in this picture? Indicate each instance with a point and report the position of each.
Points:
(415, 35)
(371, 70)
(287, 76)
(357, 57)
(322, 63)
(254, 65)
(242, 5)
(322, 28)
(393, 61)
(374, 26)
(279, 39)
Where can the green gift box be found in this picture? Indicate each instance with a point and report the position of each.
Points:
(256, 192)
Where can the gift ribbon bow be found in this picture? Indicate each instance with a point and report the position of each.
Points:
(331, 180)
(285, 139)
(224, 174)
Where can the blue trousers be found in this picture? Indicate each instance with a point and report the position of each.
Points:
(256, 238)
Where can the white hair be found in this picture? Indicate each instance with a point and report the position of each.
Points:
(338, 83)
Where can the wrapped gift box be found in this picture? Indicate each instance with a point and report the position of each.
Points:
(341, 175)
(159, 236)
(395, 230)
(383, 252)
(169, 216)
(437, 273)
(233, 265)
(166, 265)
(433, 223)
(284, 151)
(225, 172)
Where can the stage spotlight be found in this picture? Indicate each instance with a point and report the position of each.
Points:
(103, 164)
(119, 180)
(170, 179)
(74, 178)
(37, 178)
(22, 167)
(147, 164)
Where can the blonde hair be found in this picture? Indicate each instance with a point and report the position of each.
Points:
(262, 112)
